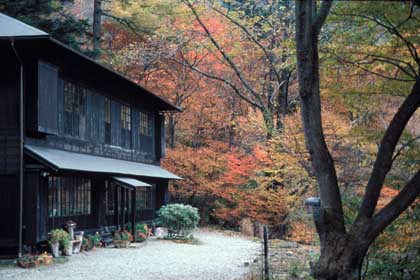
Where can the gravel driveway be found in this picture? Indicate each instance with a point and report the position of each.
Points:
(218, 256)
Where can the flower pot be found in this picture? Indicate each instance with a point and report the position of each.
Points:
(160, 232)
(78, 245)
(69, 250)
(121, 243)
(28, 264)
(47, 260)
(55, 249)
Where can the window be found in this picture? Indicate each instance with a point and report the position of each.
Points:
(145, 198)
(74, 110)
(68, 196)
(109, 197)
(107, 111)
(145, 124)
(125, 126)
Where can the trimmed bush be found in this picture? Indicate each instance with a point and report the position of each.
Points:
(180, 219)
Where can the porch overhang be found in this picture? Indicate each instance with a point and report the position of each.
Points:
(60, 160)
(130, 182)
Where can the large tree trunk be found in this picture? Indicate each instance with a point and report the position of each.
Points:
(342, 252)
(342, 259)
(97, 16)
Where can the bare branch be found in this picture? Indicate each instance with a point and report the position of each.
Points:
(252, 38)
(185, 63)
(127, 23)
(405, 145)
(359, 65)
(392, 29)
(223, 53)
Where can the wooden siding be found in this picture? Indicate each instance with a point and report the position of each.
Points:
(9, 112)
(9, 150)
(47, 98)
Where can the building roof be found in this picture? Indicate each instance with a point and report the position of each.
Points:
(10, 27)
(130, 182)
(60, 160)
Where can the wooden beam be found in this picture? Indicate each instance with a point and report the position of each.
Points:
(133, 211)
(116, 212)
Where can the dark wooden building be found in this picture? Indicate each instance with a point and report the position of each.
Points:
(78, 141)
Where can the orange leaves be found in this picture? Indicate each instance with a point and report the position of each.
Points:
(239, 168)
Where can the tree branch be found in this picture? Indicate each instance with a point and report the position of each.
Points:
(397, 205)
(226, 81)
(359, 65)
(127, 23)
(322, 14)
(405, 145)
(223, 53)
(252, 38)
(383, 162)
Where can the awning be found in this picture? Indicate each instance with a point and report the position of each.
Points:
(130, 182)
(60, 160)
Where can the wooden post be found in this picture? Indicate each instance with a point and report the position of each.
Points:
(116, 205)
(266, 269)
(123, 208)
(133, 211)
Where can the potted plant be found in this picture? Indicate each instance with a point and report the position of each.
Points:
(67, 247)
(86, 244)
(122, 239)
(45, 258)
(94, 240)
(57, 238)
(28, 261)
(142, 232)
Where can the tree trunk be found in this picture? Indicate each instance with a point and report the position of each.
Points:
(341, 259)
(171, 131)
(283, 99)
(97, 15)
(269, 123)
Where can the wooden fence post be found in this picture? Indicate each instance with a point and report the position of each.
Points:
(266, 269)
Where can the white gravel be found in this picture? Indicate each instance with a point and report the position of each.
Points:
(218, 256)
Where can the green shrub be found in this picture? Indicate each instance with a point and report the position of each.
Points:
(180, 219)
(94, 239)
(60, 236)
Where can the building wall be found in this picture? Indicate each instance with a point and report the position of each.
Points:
(47, 127)
(9, 149)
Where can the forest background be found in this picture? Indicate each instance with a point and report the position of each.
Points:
(239, 143)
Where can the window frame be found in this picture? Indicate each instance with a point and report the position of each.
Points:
(145, 124)
(69, 196)
(74, 109)
(107, 120)
(126, 125)
(146, 198)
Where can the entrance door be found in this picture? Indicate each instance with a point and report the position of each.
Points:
(9, 215)
(118, 205)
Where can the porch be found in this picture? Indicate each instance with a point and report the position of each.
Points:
(62, 186)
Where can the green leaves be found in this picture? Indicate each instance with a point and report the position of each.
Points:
(180, 219)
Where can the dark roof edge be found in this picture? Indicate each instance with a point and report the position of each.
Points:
(27, 37)
(175, 108)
